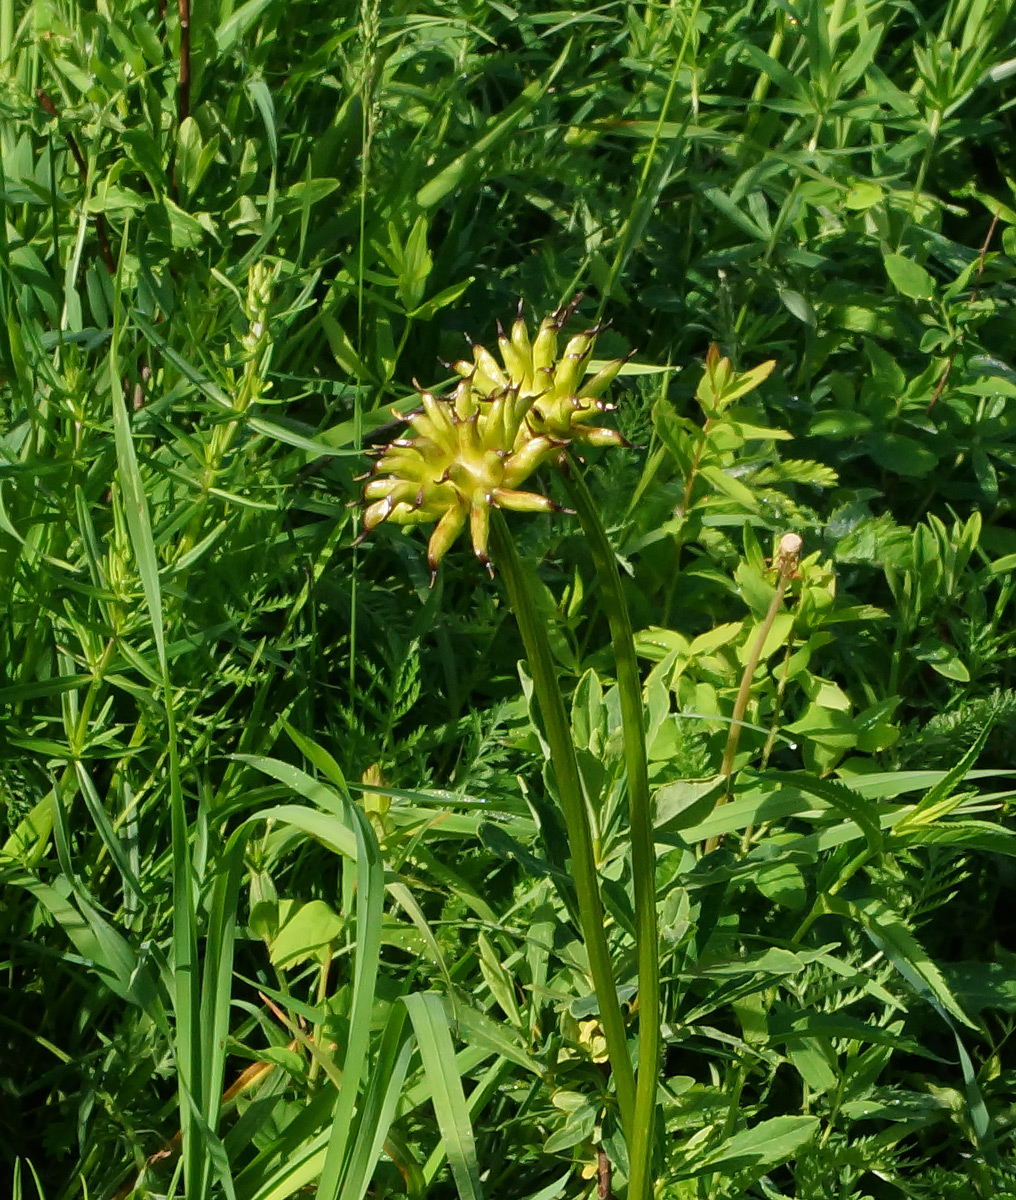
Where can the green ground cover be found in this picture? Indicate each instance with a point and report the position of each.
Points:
(674, 860)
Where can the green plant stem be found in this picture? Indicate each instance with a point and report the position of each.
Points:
(569, 787)
(689, 486)
(643, 844)
(787, 566)
(744, 691)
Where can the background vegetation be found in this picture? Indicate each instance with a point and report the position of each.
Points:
(232, 238)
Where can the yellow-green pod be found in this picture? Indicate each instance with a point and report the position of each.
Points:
(440, 414)
(529, 502)
(530, 455)
(447, 530)
(424, 427)
(520, 340)
(408, 514)
(464, 402)
(571, 368)
(603, 378)
(479, 530)
(377, 512)
(495, 431)
(518, 365)
(600, 436)
(379, 488)
(543, 381)
(489, 377)
(469, 441)
(544, 347)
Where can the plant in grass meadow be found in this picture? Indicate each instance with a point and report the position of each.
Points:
(810, 188)
(524, 413)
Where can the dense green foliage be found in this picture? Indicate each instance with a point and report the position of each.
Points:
(227, 251)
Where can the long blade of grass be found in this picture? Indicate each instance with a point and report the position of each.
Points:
(379, 1105)
(113, 844)
(369, 904)
(216, 988)
(469, 164)
(430, 1021)
(188, 1048)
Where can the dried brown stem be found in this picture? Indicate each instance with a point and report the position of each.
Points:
(183, 90)
(603, 1175)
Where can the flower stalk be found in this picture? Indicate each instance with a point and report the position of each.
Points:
(573, 806)
(786, 562)
(643, 845)
(468, 458)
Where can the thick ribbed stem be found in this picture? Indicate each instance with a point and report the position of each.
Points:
(569, 788)
(643, 846)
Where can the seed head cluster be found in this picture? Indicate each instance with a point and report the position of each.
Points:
(472, 451)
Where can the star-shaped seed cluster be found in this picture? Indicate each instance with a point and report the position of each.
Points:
(472, 451)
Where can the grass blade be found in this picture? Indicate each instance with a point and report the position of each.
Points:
(188, 1047)
(430, 1022)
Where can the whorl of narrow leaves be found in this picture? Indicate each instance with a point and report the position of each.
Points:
(472, 451)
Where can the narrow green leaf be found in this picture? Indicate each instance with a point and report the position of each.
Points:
(237, 24)
(135, 504)
(939, 799)
(890, 935)
(759, 1148)
(104, 825)
(388, 1075)
(470, 165)
(369, 907)
(430, 1022)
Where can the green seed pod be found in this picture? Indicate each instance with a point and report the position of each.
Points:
(474, 451)
(463, 401)
(521, 342)
(545, 346)
(378, 489)
(496, 423)
(603, 378)
(448, 529)
(518, 364)
(525, 460)
(601, 436)
(479, 530)
(530, 502)
(571, 367)
(488, 377)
